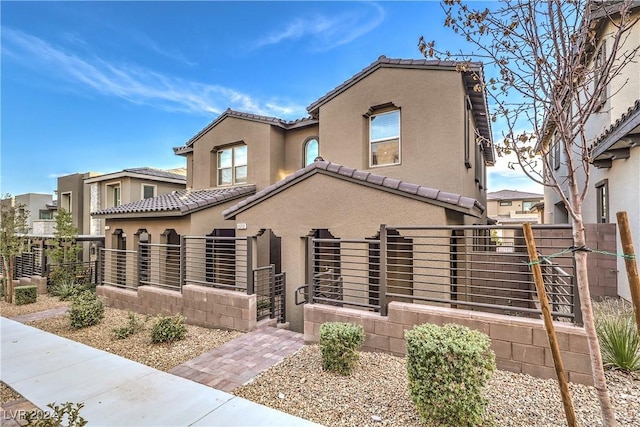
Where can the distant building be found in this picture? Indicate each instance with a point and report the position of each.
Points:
(514, 207)
(40, 208)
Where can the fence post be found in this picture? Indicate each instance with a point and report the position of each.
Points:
(139, 265)
(43, 258)
(382, 296)
(283, 294)
(272, 290)
(100, 261)
(183, 261)
(250, 287)
(310, 268)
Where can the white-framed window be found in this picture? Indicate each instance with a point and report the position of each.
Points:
(149, 191)
(384, 139)
(114, 194)
(505, 203)
(45, 214)
(598, 65)
(65, 201)
(232, 165)
(602, 201)
(311, 151)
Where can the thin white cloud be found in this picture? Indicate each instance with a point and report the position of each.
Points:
(135, 84)
(323, 33)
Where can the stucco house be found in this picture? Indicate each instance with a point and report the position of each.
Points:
(400, 142)
(614, 132)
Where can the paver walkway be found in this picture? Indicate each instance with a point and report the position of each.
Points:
(236, 362)
(44, 367)
(40, 315)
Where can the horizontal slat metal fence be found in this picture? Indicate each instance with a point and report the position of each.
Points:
(119, 268)
(346, 273)
(220, 262)
(472, 267)
(159, 265)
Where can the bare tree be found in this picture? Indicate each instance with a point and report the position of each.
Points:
(547, 74)
(13, 222)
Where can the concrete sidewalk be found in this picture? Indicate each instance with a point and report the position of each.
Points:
(44, 368)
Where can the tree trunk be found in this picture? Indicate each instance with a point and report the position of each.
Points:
(9, 289)
(599, 380)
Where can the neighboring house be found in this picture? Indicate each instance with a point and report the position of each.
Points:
(401, 142)
(73, 197)
(40, 208)
(615, 154)
(513, 207)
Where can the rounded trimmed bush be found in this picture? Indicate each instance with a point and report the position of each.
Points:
(168, 329)
(338, 345)
(448, 367)
(86, 310)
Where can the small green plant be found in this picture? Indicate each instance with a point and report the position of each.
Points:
(338, 345)
(67, 412)
(132, 326)
(168, 329)
(64, 290)
(619, 339)
(448, 367)
(26, 294)
(263, 304)
(86, 310)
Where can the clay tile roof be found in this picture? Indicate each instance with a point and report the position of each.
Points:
(513, 195)
(426, 194)
(629, 120)
(181, 202)
(156, 172)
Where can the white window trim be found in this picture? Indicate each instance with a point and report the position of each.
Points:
(305, 146)
(233, 165)
(155, 191)
(70, 194)
(106, 193)
(371, 165)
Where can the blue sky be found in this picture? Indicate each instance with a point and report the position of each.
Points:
(103, 86)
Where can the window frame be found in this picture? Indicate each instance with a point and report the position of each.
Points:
(155, 191)
(305, 147)
(233, 166)
(45, 212)
(399, 138)
(64, 196)
(505, 203)
(598, 63)
(602, 201)
(110, 194)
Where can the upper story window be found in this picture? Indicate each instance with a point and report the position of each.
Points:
(149, 191)
(598, 66)
(602, 200)
(65, 201)
(45, 214)
(311, 151)
(232, 165)
(114, 195)
(384, 139)
(505, 203)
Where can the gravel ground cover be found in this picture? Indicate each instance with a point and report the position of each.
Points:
(44, 302)
(138, 347)
(7, 394)
(376, 394)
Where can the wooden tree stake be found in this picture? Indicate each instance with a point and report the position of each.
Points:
(548, 324)
(630, 263)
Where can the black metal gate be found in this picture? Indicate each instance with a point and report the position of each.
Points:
(270, 290)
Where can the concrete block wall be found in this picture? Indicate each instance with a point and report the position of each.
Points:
(40, 282)
(520, 344)
(201, 306)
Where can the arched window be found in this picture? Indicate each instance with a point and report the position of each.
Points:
(311, 151)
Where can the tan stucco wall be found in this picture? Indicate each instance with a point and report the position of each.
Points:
(73, 184)
(154, 226)
(294, 148)
(348, 210)
(432, 127)
(257, 137)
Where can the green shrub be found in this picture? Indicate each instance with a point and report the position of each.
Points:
(66, 415)
(26, 294)
(338, 344)
(448, 367)
(86, 310)
(619, 342)
(64, 290)
(129, 329)
(168, 329)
